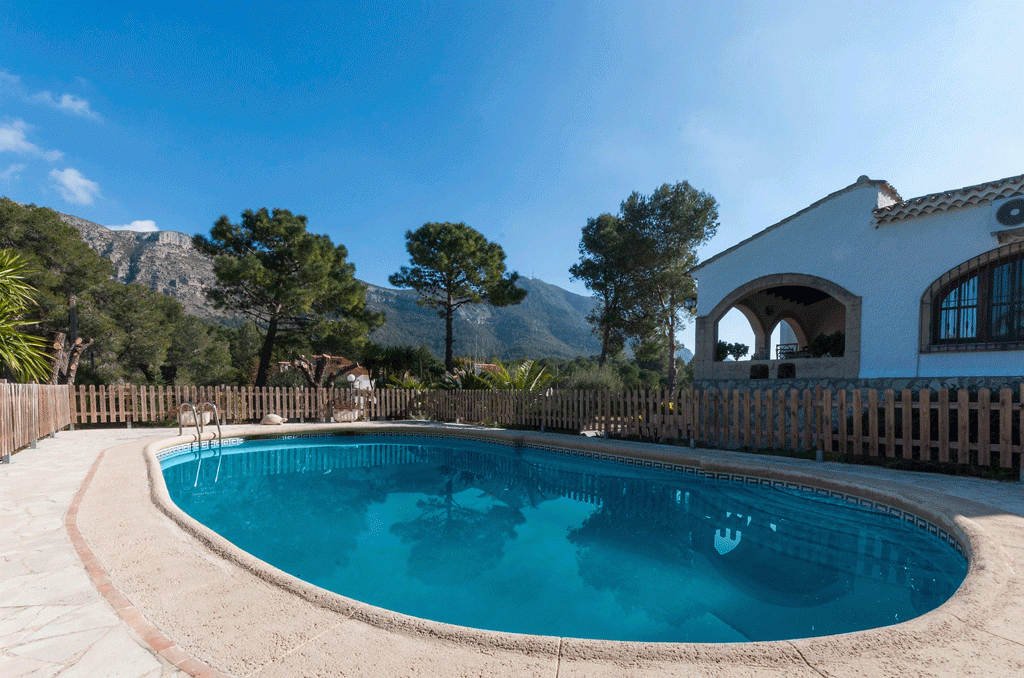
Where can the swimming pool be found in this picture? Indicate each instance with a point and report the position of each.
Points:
(531, 541)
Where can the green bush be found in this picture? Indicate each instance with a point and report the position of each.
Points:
(828, 345)
(593, 378)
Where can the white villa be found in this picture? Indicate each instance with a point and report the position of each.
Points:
(930, 287)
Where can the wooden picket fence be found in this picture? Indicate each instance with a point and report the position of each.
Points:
(29, 412)
(946, 426)
(981, 428)
(128, 403)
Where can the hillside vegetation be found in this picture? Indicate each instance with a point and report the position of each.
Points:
(551, 321)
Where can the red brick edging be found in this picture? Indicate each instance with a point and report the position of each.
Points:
(155, 641)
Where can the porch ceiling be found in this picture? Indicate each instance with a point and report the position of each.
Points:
(798, 294)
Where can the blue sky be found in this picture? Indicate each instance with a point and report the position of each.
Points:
(521, 119)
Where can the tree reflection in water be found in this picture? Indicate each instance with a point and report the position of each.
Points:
(535, 542)
(452, 543)
(279, 518)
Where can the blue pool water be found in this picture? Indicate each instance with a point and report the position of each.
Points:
(529, 541)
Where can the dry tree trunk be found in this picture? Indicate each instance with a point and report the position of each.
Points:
(67, 350)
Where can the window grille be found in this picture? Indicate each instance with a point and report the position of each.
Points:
(984, 308)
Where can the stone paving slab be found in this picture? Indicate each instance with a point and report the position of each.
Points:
(188, 604)
(53, 620)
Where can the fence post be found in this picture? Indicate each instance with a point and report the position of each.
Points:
(984, 427)
(823, 407)
(1005, 428)
(907, 412)
(924, 418)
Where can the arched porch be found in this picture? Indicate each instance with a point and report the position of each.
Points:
(815, 308)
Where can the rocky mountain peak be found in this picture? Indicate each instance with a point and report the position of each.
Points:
(551, 321)
(164, 261)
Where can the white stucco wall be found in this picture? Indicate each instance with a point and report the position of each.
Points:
(889, 268)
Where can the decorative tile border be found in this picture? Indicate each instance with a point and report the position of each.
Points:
(855, 501)
(204, 445)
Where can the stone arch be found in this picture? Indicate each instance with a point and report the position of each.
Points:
(794, 324)
(763, 317)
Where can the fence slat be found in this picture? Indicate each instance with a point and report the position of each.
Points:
(984, 427)
(890, 422)
(808, 419)
(825, 421)
(906, 425)
(925, 418)
(944, 425)
(963, 420)
(873, 422)
(735, 433)
(794, 419)
(844, 430)
(780, 439)
(746, 418)
(858, 422)
(1005, 428)
(758, 430)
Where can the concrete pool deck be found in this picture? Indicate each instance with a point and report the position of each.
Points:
(125, 590)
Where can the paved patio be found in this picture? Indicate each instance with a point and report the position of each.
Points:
(53, 620)
(141, 592)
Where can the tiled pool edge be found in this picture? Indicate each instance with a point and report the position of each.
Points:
(866, 497)
(352, 609)
(907, 515)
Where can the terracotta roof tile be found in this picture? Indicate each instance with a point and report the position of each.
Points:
(947, 200)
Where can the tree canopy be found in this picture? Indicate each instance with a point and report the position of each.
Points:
(454, 265)
(272, 270)
(59, 264)
(638, 262)
(669, 225)
(607, 266)
(131, 333)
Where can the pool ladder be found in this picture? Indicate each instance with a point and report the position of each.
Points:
(199, 435)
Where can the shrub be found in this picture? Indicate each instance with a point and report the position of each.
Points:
(593, 378)
(828, 345)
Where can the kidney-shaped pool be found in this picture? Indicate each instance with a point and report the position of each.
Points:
(523, 540)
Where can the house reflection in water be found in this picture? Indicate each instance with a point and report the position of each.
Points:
(691, 558)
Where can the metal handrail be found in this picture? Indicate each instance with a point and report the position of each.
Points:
(195, 419)
(199, 435)
(220, 438)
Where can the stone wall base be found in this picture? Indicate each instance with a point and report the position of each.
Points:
(915, 384)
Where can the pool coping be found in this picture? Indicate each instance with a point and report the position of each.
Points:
(991, 583)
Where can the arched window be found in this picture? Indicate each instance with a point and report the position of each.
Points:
(980, 305)
(958, 312)
(1006, 300)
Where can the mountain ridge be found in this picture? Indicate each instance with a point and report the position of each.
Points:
(550, 322)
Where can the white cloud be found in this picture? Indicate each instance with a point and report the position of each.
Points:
(74, 187)
(142, 226)
(12, 172)
(13, 139)
(9, 81)
(68, 103)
